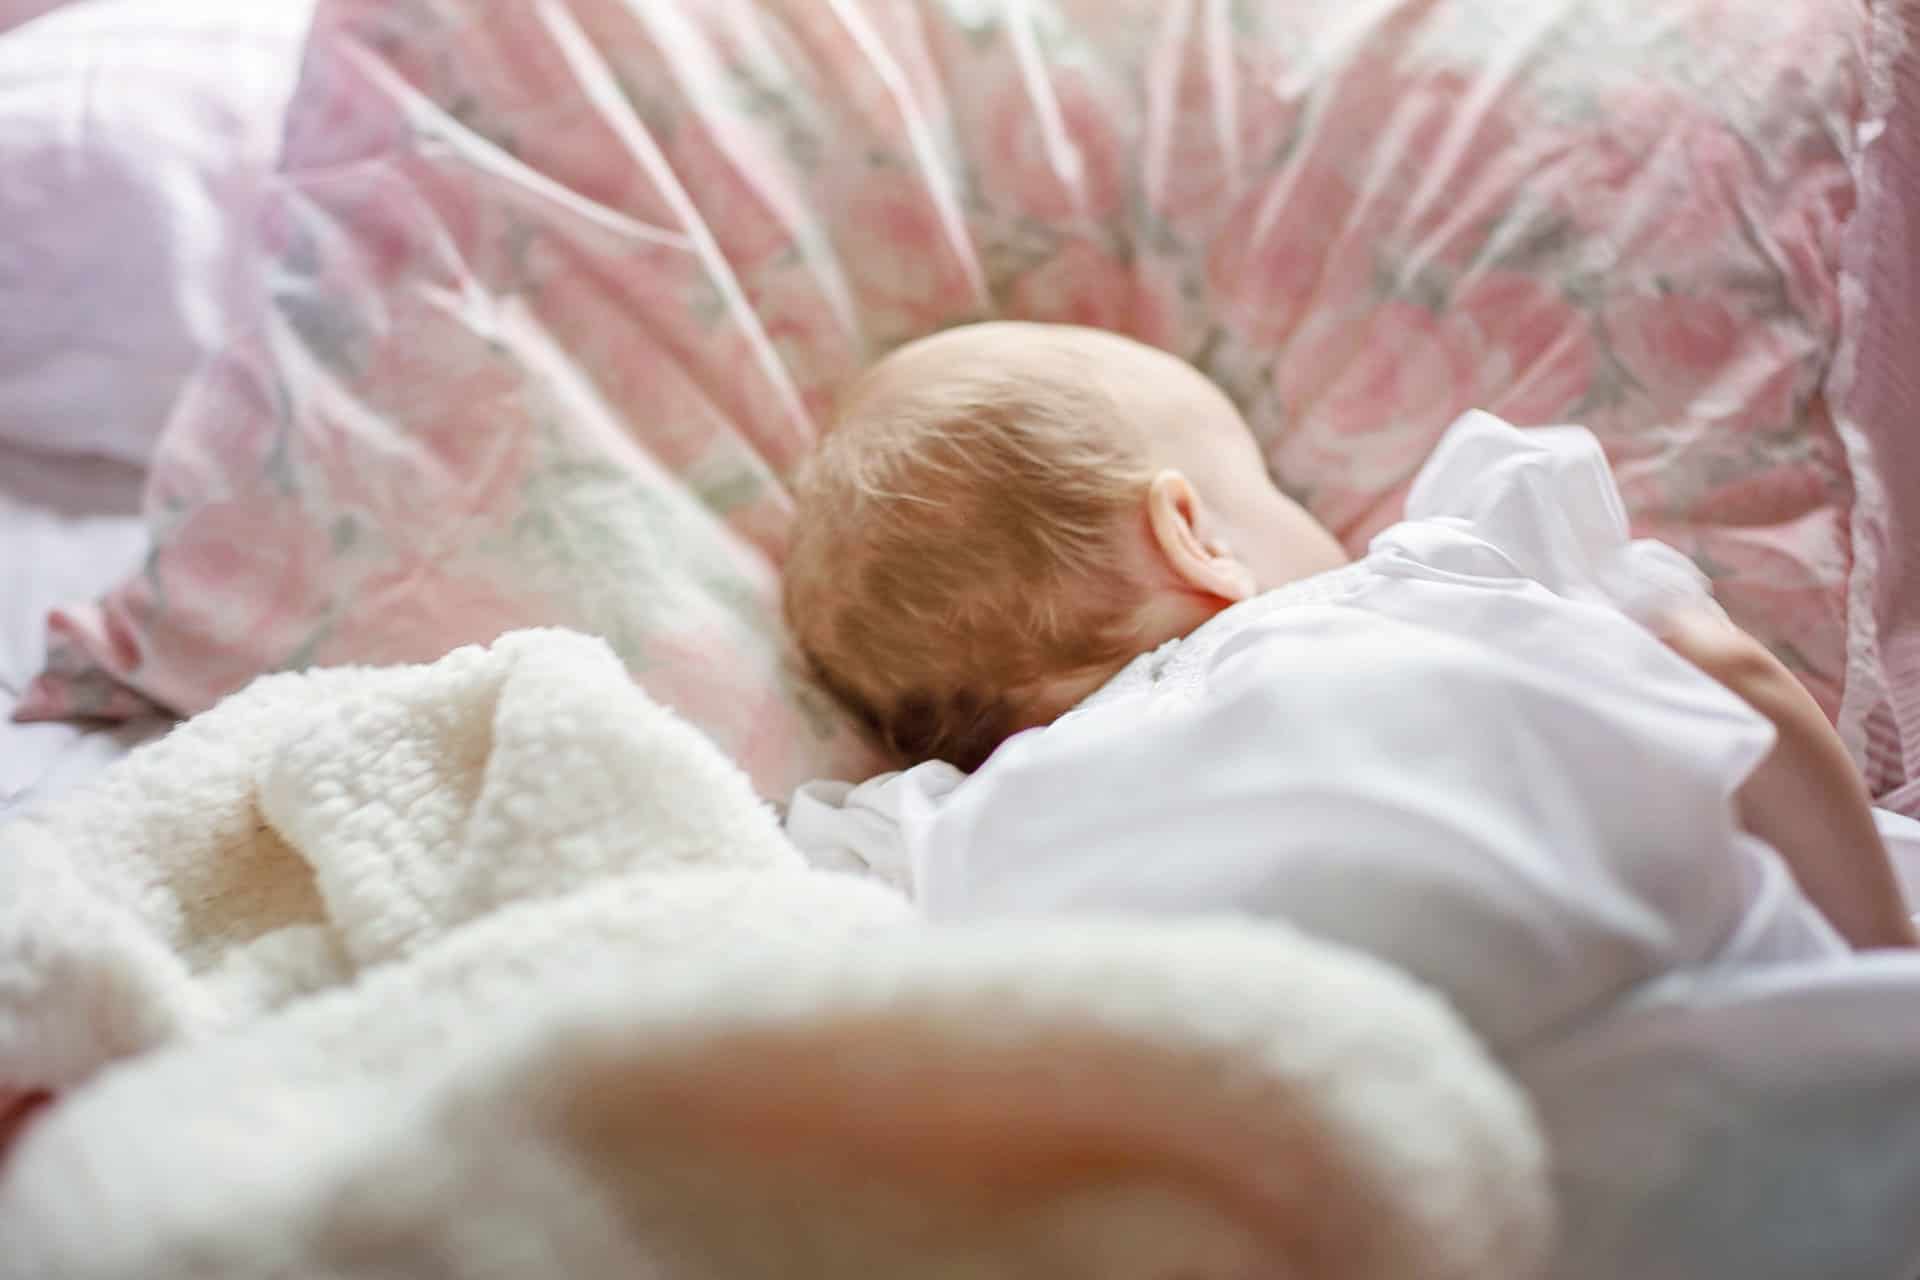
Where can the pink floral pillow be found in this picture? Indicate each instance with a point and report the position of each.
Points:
(562, 289)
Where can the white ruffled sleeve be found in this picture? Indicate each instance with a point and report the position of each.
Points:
(863, 830)
(1545, 499)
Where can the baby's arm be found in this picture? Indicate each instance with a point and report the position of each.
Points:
(1806, 799)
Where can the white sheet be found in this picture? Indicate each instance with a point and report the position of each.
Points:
(68, 528)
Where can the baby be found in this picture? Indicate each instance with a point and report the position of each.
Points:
(1052, 558)
(1007, 514)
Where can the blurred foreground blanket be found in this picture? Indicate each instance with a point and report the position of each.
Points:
(496, 967)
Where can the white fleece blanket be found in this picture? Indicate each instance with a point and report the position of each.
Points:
(496, 968)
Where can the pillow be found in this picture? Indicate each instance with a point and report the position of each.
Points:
(134, 135)
(560, 292)
(1878, 389)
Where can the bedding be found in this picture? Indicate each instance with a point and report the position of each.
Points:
(135, 136)
(610, 1023)
(412, 894)
(560, 290)
(1758, 1124)
(1878, 387)
(68, 527)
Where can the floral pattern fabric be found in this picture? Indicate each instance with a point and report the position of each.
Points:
(561, 290)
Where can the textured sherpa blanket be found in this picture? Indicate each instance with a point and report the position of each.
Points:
(495, 967)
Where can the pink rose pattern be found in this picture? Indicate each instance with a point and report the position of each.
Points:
(562, 291)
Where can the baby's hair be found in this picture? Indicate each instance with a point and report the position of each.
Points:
(959, 549)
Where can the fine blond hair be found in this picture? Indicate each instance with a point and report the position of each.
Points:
(960, 545)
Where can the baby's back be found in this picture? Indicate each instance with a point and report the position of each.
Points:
(1531, 837)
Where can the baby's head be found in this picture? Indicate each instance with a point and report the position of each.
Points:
(1004, 515)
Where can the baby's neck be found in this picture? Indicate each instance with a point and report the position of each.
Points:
(1173, 614)
(1168, 615)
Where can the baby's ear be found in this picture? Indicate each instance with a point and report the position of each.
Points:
(1193, 552)
(1081, 1102)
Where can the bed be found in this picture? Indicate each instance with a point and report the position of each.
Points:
(646, 244)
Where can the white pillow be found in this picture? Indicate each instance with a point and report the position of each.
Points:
(134, 138)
